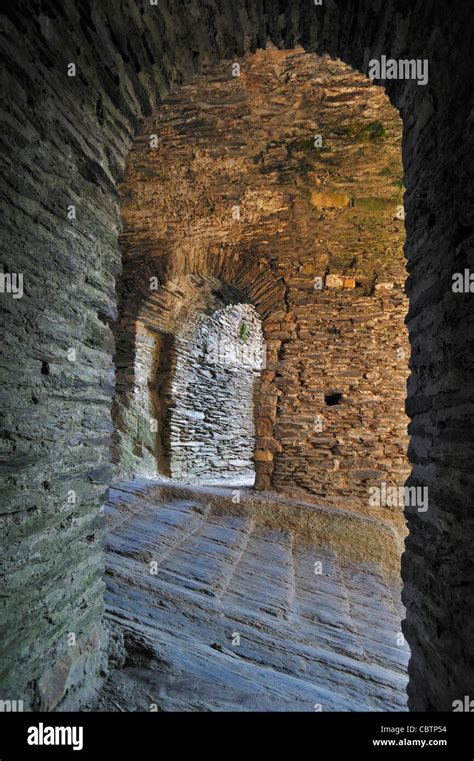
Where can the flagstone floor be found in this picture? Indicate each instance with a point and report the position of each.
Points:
(219, 613)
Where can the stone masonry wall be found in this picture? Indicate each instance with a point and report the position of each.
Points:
(212, 425)
(341, 377)
(65, 140)
(189, 411)
(222, 173)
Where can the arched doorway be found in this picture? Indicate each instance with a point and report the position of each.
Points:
(122, 78)
(298, 215)
(190, 406)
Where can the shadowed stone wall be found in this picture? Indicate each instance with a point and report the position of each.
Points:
(64, 143)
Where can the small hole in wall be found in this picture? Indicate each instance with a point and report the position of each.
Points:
(333, 399)
(45, 368)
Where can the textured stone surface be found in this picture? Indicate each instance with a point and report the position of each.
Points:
(228, 191)
(65, 141)
(330, 639)
(213, 393)
(196, 389)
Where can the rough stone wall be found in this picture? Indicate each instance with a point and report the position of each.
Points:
(212, 425)
(64, 142)
(165, 359)
(189, 407)
(340, 419)
(136, 438)
(224, 172)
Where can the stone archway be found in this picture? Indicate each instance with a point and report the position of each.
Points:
(55, 481)
(221, 186)
(183, 346)
(219, 182)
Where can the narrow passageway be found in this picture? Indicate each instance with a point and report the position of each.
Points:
(215, 609)
(179, 173)
(261, 367)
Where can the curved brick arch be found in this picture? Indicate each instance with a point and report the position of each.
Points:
(77, 157)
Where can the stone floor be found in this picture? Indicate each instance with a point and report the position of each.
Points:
(219, 613)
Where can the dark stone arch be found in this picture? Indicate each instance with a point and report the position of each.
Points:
(67, 142)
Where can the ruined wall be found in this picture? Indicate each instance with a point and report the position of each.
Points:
(182, 369)
(341, 377)
(139, 443)
(213, 396)
(222, 169)
(64, 142)
(189, 407)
